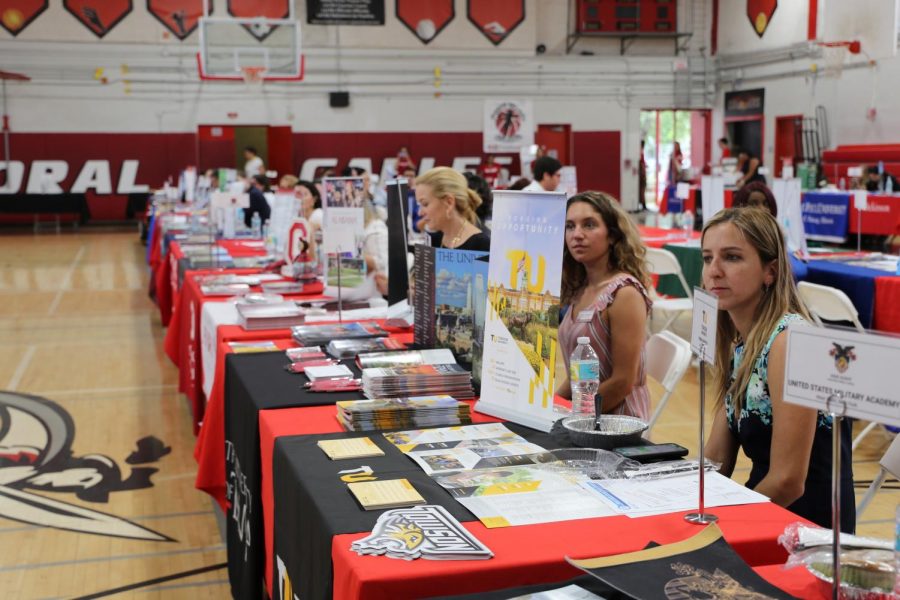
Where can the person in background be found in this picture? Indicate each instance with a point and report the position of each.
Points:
(758, 194)
(748, 165)
(310, 202)
(447, 209)
(642, 180)
(725, 148)
(258, 203)
(481, 187)
(745, 265)
(519, 184)
(253, 164)
(605, 284)
(546, 175)
(490, 171)
(404, 160)
(288, 182)
(676, 164)
(878, 182)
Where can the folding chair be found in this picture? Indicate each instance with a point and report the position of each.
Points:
(662, 262)
(668, 359)
(832, 304)
(890, 464)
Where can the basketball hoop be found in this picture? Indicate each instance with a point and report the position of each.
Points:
(254, 76)
(834, 55)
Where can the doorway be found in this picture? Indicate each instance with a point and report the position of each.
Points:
(788, 141)
(222, 146)
(676, 149)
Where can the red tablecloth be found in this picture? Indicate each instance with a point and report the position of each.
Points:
(887, 304)
(654, 237)
(882, 217)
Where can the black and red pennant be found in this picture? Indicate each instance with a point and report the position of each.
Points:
(100, 16)
(178, 16)
(496, 19)
(425, 18)
(270, 9)
(16, 15)
(760, 14)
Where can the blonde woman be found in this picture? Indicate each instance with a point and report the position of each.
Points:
(447, 209)
(605, 288)
(745, 265)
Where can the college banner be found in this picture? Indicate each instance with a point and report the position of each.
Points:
(825, 216)
(341, 12)
(98, 16)
(16, 15)
(178, 16)
(760, 14)
(425, 18)
(269, 9)
(508, 125)
(518, 374)
(496, 19)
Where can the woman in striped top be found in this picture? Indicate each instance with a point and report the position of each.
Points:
(605, 286)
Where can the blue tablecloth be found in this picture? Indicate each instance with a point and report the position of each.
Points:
(857, 282)
(825, 215)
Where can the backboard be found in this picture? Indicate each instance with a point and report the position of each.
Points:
(229, 47)
(873, 23)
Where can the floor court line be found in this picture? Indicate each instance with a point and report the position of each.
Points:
(161, 588)
(196, 513)
(21, 368)
(66, 281)
(113, 390)
(100, 559)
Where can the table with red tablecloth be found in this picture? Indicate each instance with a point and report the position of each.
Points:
(874, 293)
(881, 216)
(523, 554)
(655, 237)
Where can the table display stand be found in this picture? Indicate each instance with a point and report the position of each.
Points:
(701, 517)
(837, 420)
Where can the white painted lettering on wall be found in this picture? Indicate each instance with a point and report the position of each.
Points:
(47, 176)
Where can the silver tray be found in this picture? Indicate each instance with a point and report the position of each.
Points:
(615, 431)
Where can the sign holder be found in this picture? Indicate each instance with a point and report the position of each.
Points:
(701, 517)
(837, 421)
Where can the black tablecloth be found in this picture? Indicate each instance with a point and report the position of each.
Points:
(313, 504)
(47, 203)
(255, 382)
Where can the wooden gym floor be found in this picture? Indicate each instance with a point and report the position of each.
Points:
(77, 329)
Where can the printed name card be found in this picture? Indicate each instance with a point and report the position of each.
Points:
(857, 371)
(703, 327)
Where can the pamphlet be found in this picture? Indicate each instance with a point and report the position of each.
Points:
(349, 448)
(392, 493)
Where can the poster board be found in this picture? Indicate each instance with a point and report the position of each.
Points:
(518, 378)
(790, 213)
(398, 273)
(344, 230)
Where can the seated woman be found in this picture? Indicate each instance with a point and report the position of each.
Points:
(447, 210)
(758, 194)
(605, 287)
(745, 265)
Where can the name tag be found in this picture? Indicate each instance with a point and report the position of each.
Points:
(585, 316)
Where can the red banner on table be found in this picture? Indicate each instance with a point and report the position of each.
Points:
(100, 16)
(425, 18)
(16, 15)
(496, 19)
(178, 16)
(881, 217)
(270, 9)
(760, 14)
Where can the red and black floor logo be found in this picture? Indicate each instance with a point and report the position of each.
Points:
(16, 15)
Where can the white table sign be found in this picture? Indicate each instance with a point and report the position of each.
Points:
(683, 190)
(861, 367)
(703, 326)
(861, 199)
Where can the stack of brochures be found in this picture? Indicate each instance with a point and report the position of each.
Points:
(400, 413)
(224, 289)
(269, 316)
(314, 335)
(440, 356)
(417, 380)
(352, 348)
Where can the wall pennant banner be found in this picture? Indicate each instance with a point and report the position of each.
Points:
(269, 9)
(178, 16)
(760, 14)
(496, 19)
(100, 16)
(16, 15)
(425, 18)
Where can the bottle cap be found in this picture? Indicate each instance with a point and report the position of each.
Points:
(584, 340)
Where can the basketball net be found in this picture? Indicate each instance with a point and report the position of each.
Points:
(834, 55)
(253, 77)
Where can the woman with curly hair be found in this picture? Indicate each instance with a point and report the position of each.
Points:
(745, 265)
(605, 284)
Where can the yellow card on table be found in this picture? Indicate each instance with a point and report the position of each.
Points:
(393, 493)
(350, 448)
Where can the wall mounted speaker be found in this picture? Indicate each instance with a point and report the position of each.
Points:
(339, 99)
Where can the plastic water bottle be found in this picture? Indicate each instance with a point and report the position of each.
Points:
(687, 223)
(584, 377)
(256, 226)
(889, 185)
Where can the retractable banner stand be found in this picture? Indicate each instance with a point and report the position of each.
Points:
(343, 238)
(398, 273)
(518, 375)
(425, 18)
(787, 197)
(496, 19)
(16, 15)
(270, 9)
(99, 17)
(178, 16)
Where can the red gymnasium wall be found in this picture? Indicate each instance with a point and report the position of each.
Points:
(163, 155)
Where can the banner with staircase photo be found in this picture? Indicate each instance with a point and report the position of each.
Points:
(518, 374)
